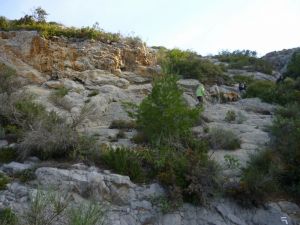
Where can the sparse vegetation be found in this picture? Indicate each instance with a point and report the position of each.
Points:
(4, 180)
(231, 162)
(223, 139)
(25, 175)
(87, 214)
(293, 67)
(37, 21)
(245, 59)
(230, 116)
(189, 65)
(7, 155)
(8, 217)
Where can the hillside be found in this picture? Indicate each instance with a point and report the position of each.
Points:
(65, 129)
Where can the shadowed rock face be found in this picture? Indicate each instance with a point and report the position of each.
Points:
(280, 59)
(35, 57)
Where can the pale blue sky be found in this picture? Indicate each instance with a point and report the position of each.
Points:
(205, 26)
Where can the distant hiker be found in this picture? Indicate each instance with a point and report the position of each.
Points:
(200, 92)
(280, 79)
(242, 87)
(215, 93)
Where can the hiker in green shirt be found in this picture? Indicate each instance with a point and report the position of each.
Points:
(200, 92)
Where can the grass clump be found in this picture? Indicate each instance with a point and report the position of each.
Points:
(8, 217)
(126, 162)
(8, 155)
(230, 116)
(87, 214)
(4, 180)
(25, 175)
(293, 67)
(223, 139)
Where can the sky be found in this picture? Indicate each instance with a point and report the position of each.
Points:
(204, 26)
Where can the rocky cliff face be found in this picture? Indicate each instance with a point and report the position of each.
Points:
(40, 59)
(280, 59)
(105, 75)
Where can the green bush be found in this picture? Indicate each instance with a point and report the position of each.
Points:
(261, 89)
(163, 116)
(4, 180)
(126, 162)
(8, 217)
(293, 67)
(283, 93)
(7, 155)
(25, 175)
(230, 116)
(243, 79)
(245, 59)
(189, 65)
(285, 140)
(223, 139)
(88, 214)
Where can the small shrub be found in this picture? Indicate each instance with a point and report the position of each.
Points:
(261, 89)
(25, 175)
(126, 162)
(122, 124)
(231, 162)
(293, 68)
(2, 132)
(223, 139)
(57, 98)
(241, 118)
(93, 93)
(257, 181)
(3, 181)
(86, 214)
(230, 116)
(8, 217)
(7, 155)
(121, 134)
(46, 208)
(164, 204)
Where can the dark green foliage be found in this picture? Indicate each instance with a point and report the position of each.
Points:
(126, 162)
(61, 92)
(245, 59)
(7, 155)
(223, 139)
(283, 93)
(262, 89)
(40, 14)
(230, 116)
(189, 65)
(3, 181)
(163, 116)
(8, 217)
(122, 124)
(274, 171)
(285, 140)
(293, 67)
(25, 175)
